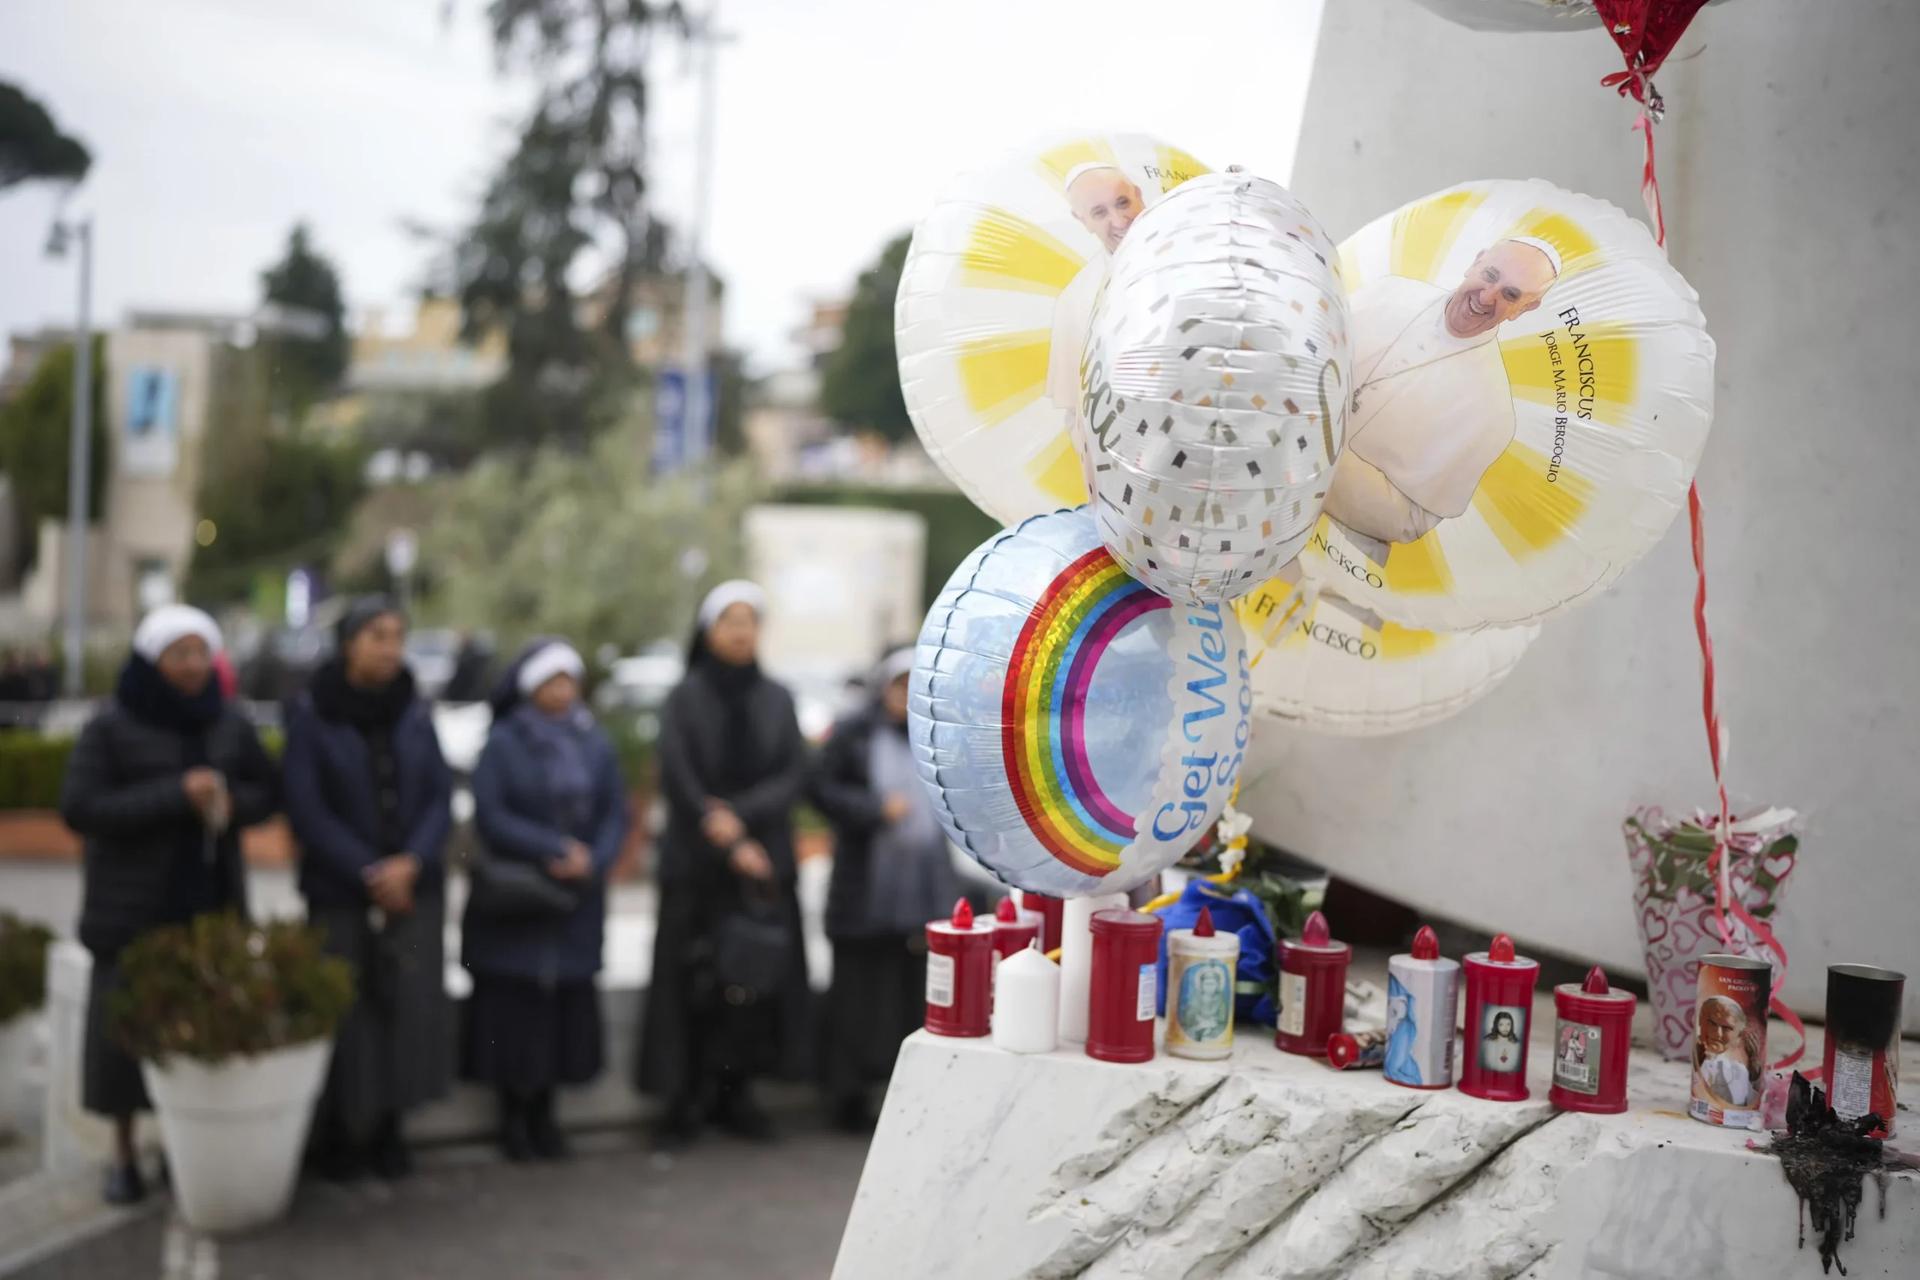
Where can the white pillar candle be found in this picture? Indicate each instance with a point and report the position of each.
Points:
(1076, 960)
(1026, 1002)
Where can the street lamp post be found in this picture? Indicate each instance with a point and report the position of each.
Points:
(79, 452)
(693, 311)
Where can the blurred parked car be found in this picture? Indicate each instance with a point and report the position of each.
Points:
(820, 700)
(639, 685)
(432, 653)
(284, 662)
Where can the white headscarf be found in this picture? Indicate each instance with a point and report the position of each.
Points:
(159, 630)
(726, 595)
(543, 664)
(893, 666)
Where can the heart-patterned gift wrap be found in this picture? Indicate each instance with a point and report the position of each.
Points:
(1673, 904)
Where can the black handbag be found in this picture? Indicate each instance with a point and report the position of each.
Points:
(752, 950)
(502, 889)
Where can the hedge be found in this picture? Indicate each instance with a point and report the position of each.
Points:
(954, 525)
(23, 965)
(33, 767)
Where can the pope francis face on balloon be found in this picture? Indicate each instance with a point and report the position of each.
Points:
(1505, 280)
(1432, 403)
(1105, 201)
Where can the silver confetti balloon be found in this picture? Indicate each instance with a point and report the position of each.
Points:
(1214, 388)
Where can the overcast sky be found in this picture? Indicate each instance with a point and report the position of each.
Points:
(215, 124)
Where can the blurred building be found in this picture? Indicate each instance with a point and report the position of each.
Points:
(783, 424)
(792, 440)
(162, 368)
(165, 372)
(433, 356)
(820, 336)
(656, 324)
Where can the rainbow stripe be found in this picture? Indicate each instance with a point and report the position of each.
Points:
(1043, 714)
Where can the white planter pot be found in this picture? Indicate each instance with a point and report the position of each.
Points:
(19, 1057)
(234, 1132)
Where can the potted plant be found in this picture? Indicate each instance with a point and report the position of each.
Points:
(23, 991)
(233, 1024)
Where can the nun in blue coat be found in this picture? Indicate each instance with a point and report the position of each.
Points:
(549, 801)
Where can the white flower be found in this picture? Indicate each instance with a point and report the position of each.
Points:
(1234, 826)
(1231, 857)
(1232, 834)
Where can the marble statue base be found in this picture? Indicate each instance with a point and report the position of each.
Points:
(991, 1165)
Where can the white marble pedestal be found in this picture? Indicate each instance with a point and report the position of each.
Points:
(989, 1166)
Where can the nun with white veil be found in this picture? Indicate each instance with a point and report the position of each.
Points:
(728, 998)
(160, 785)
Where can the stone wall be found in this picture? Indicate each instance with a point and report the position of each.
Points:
(1790, 176)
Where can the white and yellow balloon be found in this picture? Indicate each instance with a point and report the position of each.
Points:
(994, 306)
(1326, 664)
(1532, 389)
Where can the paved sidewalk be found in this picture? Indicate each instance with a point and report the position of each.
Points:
(721, 1211)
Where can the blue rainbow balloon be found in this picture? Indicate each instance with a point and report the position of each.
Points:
(1079, 732)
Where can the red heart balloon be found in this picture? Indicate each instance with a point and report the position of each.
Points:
(1646, 31)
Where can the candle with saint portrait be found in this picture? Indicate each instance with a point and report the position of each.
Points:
(1730, 1041)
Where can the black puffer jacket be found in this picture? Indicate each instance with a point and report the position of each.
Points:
(123, 795)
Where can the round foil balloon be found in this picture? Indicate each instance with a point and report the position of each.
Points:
(1334, 667)
(1540, 15)
(1078, 732)
(994, 303)
(1216, 380)
(1532, 387)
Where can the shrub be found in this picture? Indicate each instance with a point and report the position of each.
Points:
(633, 737)
(23, 965)
(32, 767)
(219, 988)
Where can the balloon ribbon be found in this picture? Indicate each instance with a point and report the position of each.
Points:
(1642, 60)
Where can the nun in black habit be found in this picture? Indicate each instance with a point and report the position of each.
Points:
(892, 872)
(160, 784)
(728, 996)
(369, 797)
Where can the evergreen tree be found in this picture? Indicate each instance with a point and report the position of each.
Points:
(32, 148)
(860, 387)
(306, 366)
(575, 182)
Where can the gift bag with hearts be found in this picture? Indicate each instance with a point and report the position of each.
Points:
(1673, 900)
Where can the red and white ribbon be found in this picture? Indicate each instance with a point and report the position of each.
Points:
(1725, 901)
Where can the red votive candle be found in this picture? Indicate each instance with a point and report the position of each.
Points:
(1499, 1011)
(1013, 929)
(960, 974)
(1313, 989)
(1592, 1031)
(1125, 985)
(1050, 910)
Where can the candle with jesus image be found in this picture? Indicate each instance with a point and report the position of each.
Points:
(1499, 1000)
